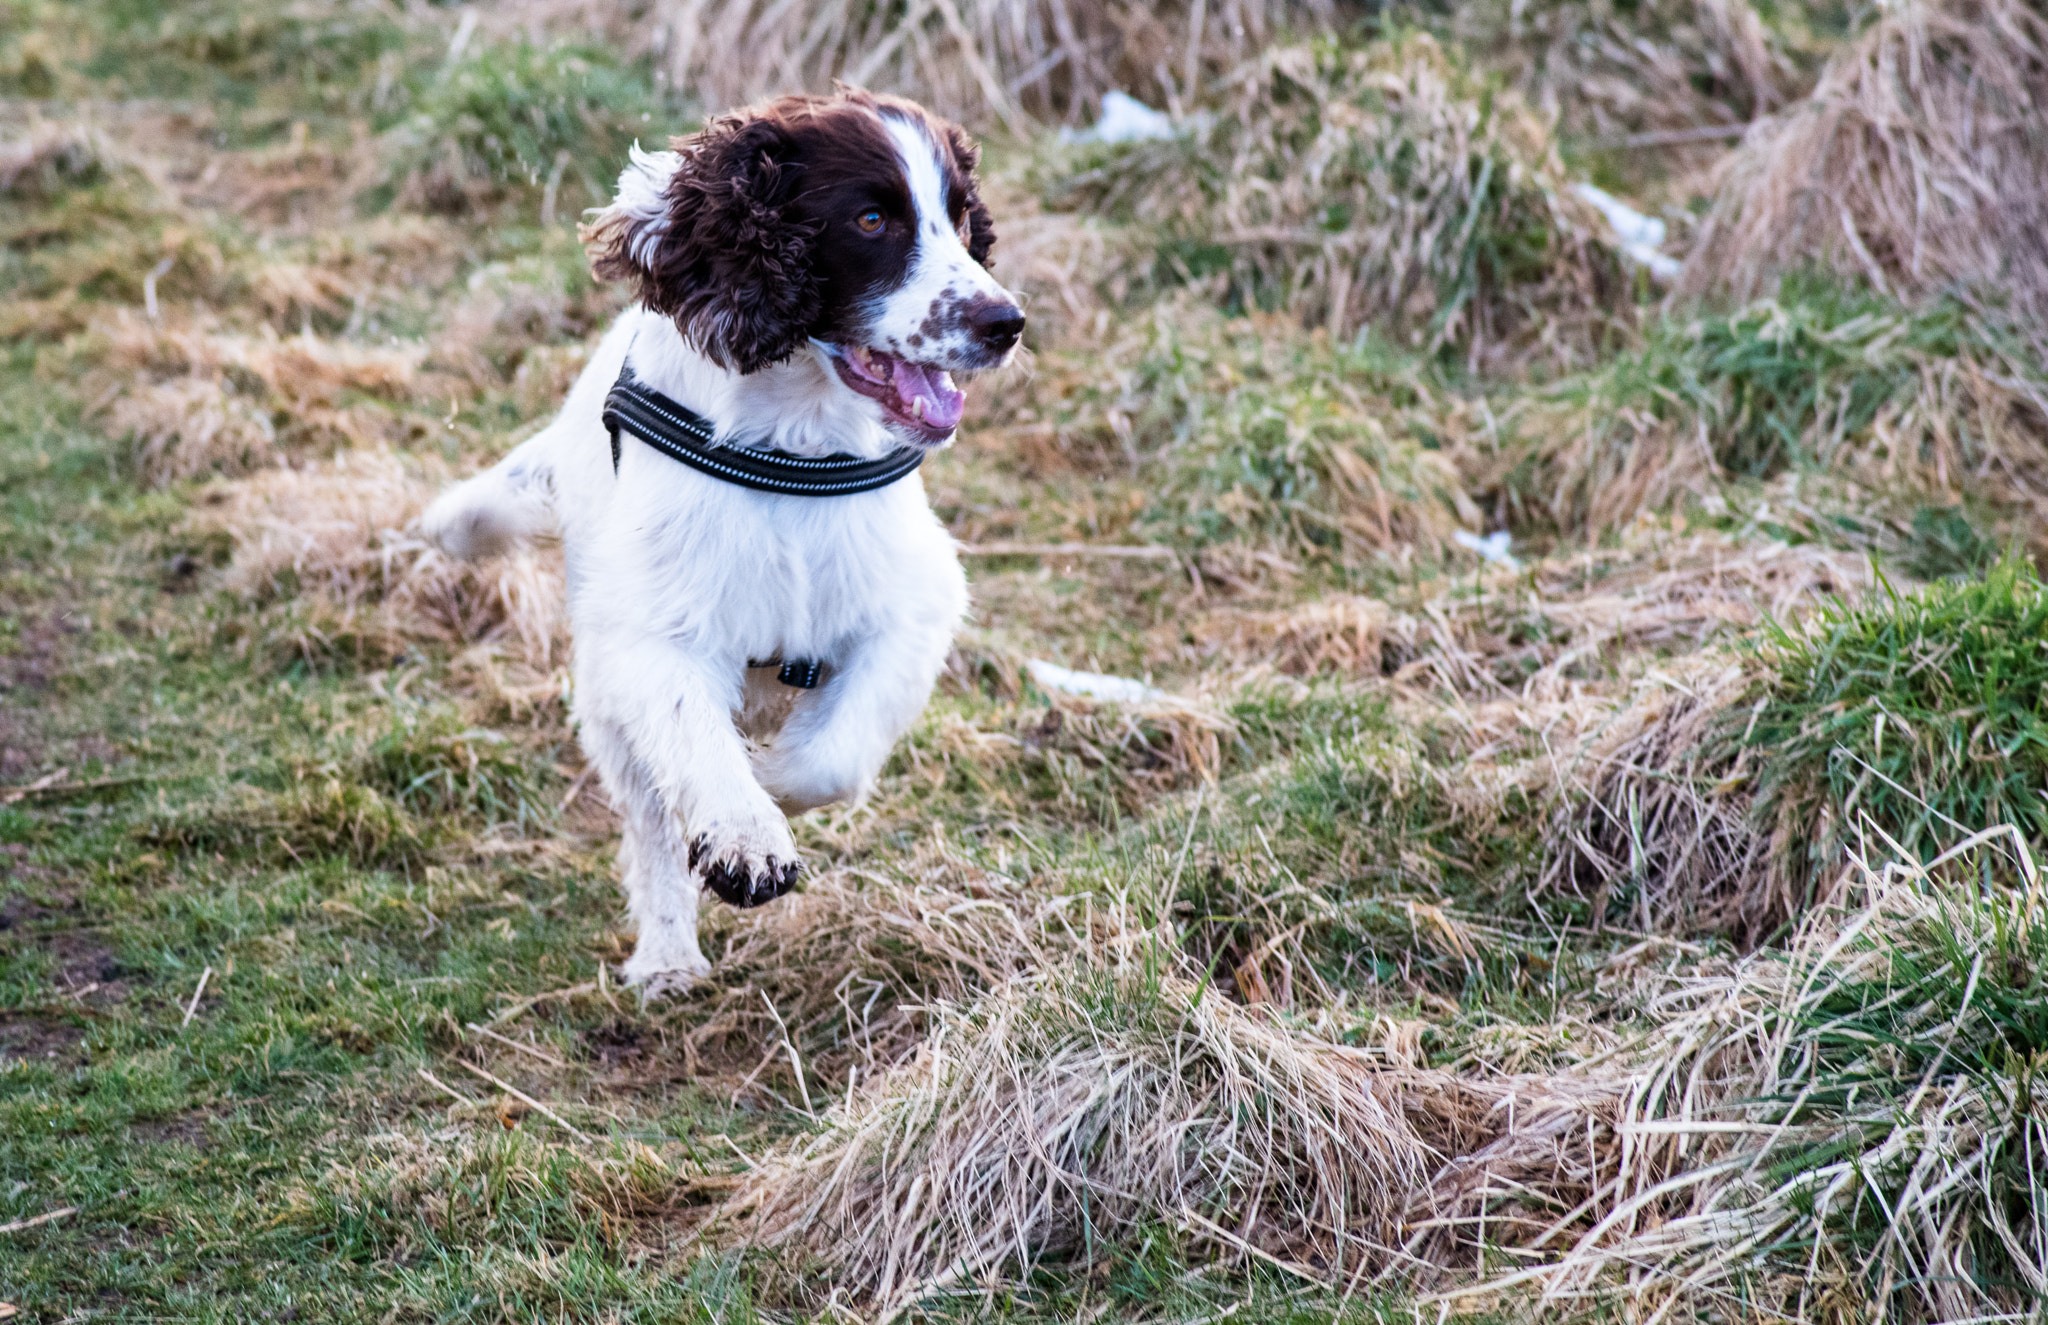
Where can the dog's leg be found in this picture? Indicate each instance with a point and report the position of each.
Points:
(835, 742)
(660, 728)
(661, 895)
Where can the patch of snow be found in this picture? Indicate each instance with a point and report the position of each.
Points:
(1642, 237)
(1493, 547)
(1092, 685)
(1125, 119)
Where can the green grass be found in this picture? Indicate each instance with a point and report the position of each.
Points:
(524, 114)
(1821, 378)
(1918, 1052)
(1923, 710)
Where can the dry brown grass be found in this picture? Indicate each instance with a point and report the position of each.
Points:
(1500, 631)
(1086, 1106)
(50, 153)
(336, 537)
(838, 985)
(1655, 806)
(195, 398)
(1003, 61)
(1071, 756)
(1379, 185)
(1607, 71)
(1837, 1130)
(1920, 163)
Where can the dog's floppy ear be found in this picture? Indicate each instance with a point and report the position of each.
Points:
(981, 230)
(705, 234)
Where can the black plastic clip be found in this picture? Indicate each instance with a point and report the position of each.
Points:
(801, 673)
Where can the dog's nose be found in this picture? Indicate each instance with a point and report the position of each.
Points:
(998, 326)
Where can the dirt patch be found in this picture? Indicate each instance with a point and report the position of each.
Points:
(616, 1044)
(28, 746)
(30, 1037)
(190, 1129)
(14, 864)
(82, 966)
(24, 671)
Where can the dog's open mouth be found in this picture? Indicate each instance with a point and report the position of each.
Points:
(916, 397)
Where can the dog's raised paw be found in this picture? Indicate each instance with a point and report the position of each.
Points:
(740, 876)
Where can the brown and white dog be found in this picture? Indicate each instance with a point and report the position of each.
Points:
(811, 274)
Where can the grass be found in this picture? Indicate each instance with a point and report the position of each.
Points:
(1381, 184)
(1823, 377)
(1889, 1061)
(1926, 74)
(1429, 927)
(1920, 712)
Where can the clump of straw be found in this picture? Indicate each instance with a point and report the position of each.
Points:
(337, 538)
(1934, 401)
(1056, 1116)
(1685, 74)
(1852, 1127)
(1368, 185)
(1654, 817)
(992, 61)
(840, 977)
(1919, 163)
(195, 398)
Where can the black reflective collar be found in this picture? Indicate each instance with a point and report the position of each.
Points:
(683, 434)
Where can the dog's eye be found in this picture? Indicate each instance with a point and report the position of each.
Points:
(869, 221)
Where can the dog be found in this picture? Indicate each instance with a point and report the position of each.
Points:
(733, 479)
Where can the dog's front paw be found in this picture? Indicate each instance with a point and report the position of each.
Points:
(654, 975)
(746, 866)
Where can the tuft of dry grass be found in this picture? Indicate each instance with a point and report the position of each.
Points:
(1085, 1106)
(1607, 71)
(1378, 185)
(1850, 1126)
(337, 537)
(50, 155)
(1931, 402)
(1002, 60)
(1242, 441)
(838, 981)
(1919, 163)
(1653, 813)
(189, 426)
(1508, 631)
(196, 399)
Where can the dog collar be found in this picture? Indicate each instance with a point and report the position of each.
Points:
(682, 434)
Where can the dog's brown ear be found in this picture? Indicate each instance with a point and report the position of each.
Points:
(981, 229)
(715, 247)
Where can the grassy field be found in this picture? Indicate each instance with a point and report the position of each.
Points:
(1643, 927)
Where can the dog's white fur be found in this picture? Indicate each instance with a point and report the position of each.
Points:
(677, 579)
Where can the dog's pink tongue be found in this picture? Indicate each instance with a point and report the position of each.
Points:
(944, 403)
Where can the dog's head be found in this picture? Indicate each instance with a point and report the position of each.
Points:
(850, 224)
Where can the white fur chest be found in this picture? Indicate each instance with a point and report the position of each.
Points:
(660, 549)
(748, 575)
